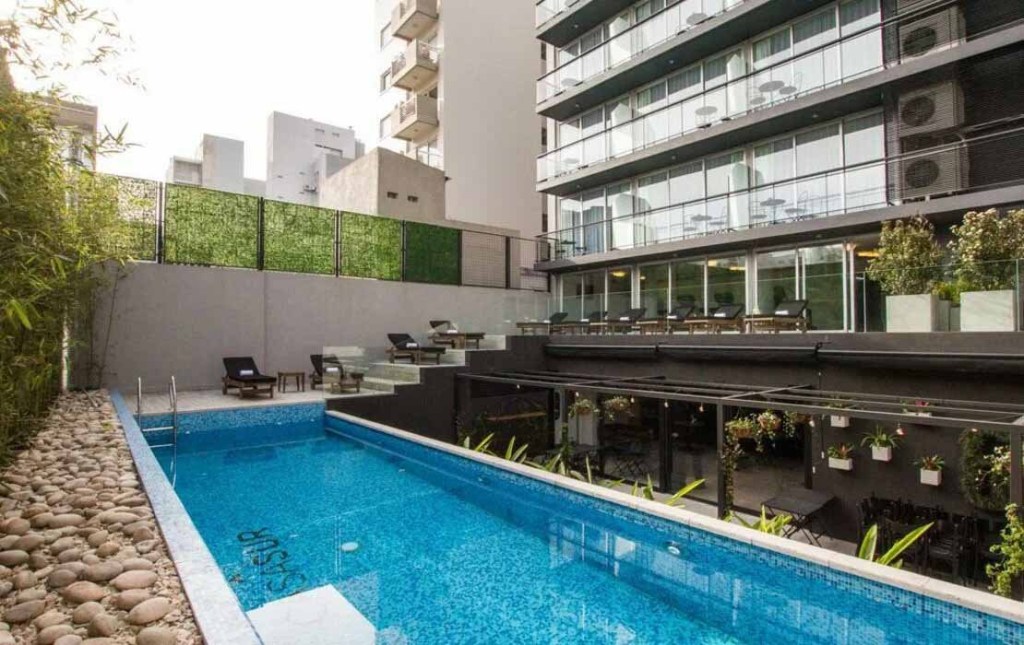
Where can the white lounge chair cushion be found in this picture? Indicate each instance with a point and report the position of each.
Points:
(246, 372)
(623, 318)
(331, 370)
(672, 317)
(719, 314)
(411, 345)
(782, 312)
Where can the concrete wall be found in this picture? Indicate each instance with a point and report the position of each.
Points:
(363, 186)
(294, 145)
(182, 320)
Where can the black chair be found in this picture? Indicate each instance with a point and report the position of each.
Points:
(405, 346)
(243, 375)
(788, 315)
(327, 368)
(547, 326)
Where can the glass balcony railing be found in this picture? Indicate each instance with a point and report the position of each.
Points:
(548, 9)
(630, 43)
(830, 65)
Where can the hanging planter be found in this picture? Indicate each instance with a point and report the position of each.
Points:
(769, 422)
(840, 457)
(931, 470)
(881, 453)
(742, 427)
(839, 421)
(615, 406)
(882, 443)
(581, 407)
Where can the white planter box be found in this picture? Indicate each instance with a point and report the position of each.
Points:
(839, 421)
(881, 454)
(988, 311)
(918, 313)
(840, 464)
(931, 477)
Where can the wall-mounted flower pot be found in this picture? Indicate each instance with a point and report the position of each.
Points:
(840, 464)
(881, 453)
(919, 413)
(988, 310)
(839, 421)
(931, 477)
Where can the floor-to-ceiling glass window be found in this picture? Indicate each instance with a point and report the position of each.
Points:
(651, 199)
(654, 289)
(773, 168)
(726, 174)
(620, 291)
(864, 147)
(572, 294)
(682, 117)
(593, 293)
(776, 279)
(618, 115)
(727, 281)
(592, 123)
(571, 236)
(593, 221)
(688, 284)
(863, 53)
(653, 127)
(823, 280)
(685, 187)
(815, 71)
(620, 205)
(817, 151)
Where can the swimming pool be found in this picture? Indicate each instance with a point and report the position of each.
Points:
(432, 547)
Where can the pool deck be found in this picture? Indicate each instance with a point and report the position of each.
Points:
(203, 400)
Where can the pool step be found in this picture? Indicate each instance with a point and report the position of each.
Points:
(321, 616)
(374, 384)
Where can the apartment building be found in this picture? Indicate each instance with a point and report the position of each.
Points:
(746, 151)
(458, 96)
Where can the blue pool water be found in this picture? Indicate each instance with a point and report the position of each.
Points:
(453, 551)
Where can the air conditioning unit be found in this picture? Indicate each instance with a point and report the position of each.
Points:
(930, 110)
(931, 174)
(932, 33)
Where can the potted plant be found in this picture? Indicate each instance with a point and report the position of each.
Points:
(581, 407)
(840, 457)
(907, 268)
(838, 420)
(616, 405)
(742, 427)
(882, 444)
(985, 249)
(768, 422)
(918, 408)
(931, 470)
(948, 293)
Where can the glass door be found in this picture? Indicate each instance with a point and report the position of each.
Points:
(822, 285)
(654, 289)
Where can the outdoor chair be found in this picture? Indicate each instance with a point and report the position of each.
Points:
(788, 316)
(726, 317)
(242, 374)
(668, 323)
(443, 332)
(329, 370)
(623, 323)
(404, 346)
(546, 326)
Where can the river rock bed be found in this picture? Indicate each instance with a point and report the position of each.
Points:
(82, 561)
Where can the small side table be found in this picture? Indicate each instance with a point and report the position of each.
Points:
(300, 381)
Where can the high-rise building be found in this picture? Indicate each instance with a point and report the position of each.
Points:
(746, 151)
(458, 96)
(77, 124)
(302, 153)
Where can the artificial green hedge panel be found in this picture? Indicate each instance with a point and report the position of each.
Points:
(137, 206)
(431, 254)
(210, 227)
(298, 238)
(371, 247)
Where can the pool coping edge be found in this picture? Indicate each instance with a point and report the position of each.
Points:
(965, 597)
(215, 606)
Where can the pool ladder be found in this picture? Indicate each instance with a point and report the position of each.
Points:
(172, 396)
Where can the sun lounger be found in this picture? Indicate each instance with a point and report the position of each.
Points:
(405, 346)
(445, 333)
(666, 324)
(328, 370)
(788, 316)
(581, 326)
(623, 323)
(242, 374)
(721, 319)
(544, 326)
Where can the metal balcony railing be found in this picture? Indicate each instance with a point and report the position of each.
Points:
(410, 19)
(410, 68)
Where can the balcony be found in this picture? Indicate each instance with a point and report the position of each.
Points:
(414, 119)
(632, 42)
(411, 19)
(414, 68)
(558, 22)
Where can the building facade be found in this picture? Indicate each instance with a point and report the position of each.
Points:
(303, 153)
(711, 152)
(459, 97)
(219, 164)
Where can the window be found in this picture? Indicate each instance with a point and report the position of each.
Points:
(773, 162)
(385, 80)
(385, 35)
(726, 174)
(654, 289)
(771, 49)
(818, 150)
(413, 198)
(392, 195)
(815, 31)
(385, 127)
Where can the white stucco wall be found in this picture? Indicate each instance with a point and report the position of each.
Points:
(180, 320)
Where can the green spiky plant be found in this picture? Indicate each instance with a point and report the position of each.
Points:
(891, 558)
(775, 525)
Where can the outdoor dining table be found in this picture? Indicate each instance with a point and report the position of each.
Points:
(805, 507)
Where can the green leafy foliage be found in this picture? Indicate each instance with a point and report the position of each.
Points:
(371, 247)
(985, 469)
(775, 525)
(431, 254)
(210, 227)
(891, 558)
(1010, 567)
(985, 248)
(908, 257)
(298, 238)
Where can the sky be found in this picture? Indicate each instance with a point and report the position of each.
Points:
(222, 66)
